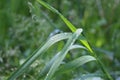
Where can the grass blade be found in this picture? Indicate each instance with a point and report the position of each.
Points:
(34, 56)
(75, 63)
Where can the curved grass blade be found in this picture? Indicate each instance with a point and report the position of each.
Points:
(42, 50)
(49, 64)
(75, 63)
(63, 53)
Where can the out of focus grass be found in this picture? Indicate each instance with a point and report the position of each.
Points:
(21, 33)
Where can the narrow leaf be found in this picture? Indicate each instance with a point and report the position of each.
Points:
(75, 63)
(35, 55)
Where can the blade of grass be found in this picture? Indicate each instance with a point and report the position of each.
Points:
(63, 53)
(75, 63)
(35, 55)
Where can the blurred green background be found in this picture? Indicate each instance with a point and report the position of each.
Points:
(21, 33)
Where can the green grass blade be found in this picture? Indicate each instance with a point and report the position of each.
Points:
(67, 22)
(34, 56)
(50, 63)
(63, 53)
(75, 63)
